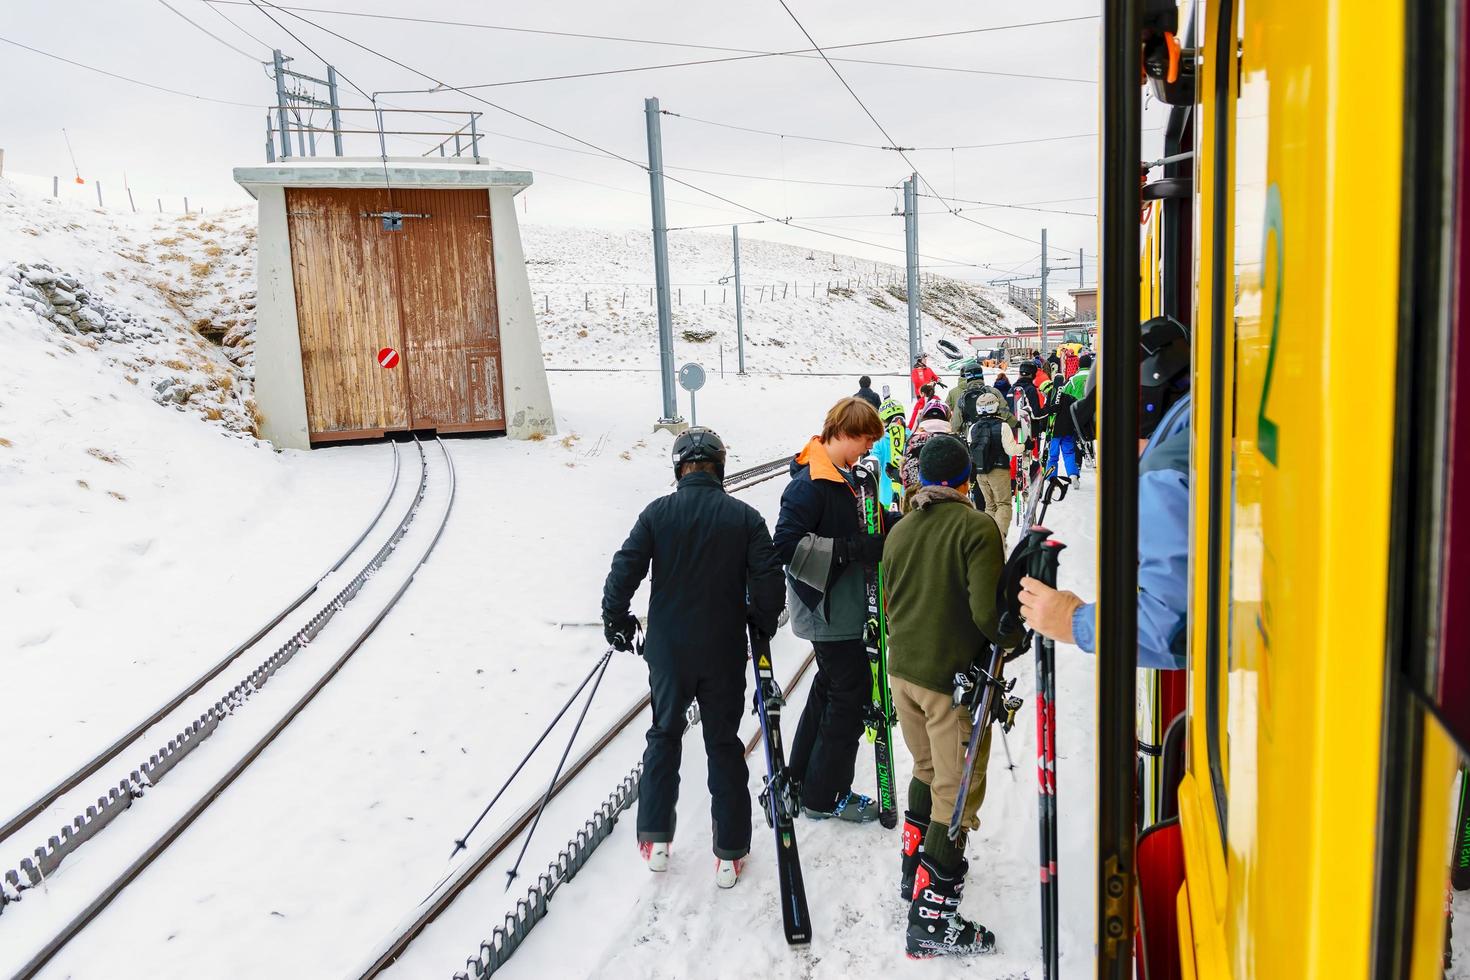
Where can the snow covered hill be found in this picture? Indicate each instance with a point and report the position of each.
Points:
(168, 302)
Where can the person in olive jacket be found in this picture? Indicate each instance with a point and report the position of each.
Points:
(941, 566)
(714, 573)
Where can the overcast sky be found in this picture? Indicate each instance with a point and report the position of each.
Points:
(171, 145)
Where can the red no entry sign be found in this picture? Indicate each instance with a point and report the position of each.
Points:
(388, 357)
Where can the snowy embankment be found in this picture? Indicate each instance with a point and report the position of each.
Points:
(148, 545)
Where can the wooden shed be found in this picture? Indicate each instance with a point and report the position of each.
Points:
(390, 298)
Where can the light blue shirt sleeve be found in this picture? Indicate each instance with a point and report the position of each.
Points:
(1163, 575)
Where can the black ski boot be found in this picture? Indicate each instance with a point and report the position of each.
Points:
(936, 927)
(914, 830)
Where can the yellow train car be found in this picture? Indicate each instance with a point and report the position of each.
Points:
(1313, 237)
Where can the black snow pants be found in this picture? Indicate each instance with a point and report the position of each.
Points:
(719, 689)
(824, 751)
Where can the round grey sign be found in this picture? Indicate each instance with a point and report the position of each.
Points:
(691, 377)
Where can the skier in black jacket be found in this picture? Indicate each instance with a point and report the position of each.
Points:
(714, 571)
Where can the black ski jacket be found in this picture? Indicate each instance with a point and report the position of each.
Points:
(709, 552)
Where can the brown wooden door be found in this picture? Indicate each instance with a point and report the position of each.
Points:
(446, 301)
(347, 310)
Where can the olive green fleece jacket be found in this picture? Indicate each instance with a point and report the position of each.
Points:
(941, 565)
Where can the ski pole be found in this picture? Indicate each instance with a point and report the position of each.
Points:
(460, 843)
(1044, 568)
(510, 875)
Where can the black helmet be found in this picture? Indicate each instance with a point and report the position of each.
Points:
(972, 368)
(1027, 369)
(699, 445)
(1163, 370)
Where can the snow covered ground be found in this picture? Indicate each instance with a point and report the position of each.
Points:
(153, 537)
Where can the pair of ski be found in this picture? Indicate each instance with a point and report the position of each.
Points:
(1040, 555)
(780, 798)
(880, 715)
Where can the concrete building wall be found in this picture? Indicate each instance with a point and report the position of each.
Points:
(527, 394)
(280, 389)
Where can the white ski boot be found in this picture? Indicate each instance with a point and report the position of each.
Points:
(728, 872)
(656, 854)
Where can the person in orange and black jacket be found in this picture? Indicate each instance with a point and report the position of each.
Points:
(820, 539)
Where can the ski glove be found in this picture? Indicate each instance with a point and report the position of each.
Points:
(861, 548)
(620, 631)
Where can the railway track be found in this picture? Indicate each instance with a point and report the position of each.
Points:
(111, 806)
(464, 874)
(112, 751)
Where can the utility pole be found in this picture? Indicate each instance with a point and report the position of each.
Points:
(1080, 284)
(1041, 318)
(336, 115)
(739, 304)
(280, 63)
(911, 253)
(670, 417)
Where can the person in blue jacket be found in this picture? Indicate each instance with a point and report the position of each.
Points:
(1163, 507)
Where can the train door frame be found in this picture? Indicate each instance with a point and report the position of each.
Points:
(1425, 327)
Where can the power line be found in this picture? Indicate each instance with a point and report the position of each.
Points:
(577, 139)
(891, 141)
(740, 54)
(200, 27)
(1018, 207)
(125, 78)
(226, 18)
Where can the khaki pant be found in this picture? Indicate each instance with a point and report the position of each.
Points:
(995, 487)
(937, 735)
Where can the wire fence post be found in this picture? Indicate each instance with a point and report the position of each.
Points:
(131, 204)
(661, 260)
(279, 60)
(186, 205)
(739, 306)
(160, 205)
(336, 107)
(99, 192)
(55, 186)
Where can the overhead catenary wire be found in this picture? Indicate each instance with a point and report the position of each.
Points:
(739, 54)
(903, 154)
(124, 78)
(200, 27)
(561, 132)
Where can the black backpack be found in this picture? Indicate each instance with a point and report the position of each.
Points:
(967, 402)
(987, 451)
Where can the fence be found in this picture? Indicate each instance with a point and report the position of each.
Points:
(643, 295)
(1028, 301)
(117, 192)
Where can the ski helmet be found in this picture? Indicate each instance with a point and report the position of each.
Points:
(971, 369)
(699, 445)
(938, 410)
(1027, 369)
(890, 410)
(1163, 370)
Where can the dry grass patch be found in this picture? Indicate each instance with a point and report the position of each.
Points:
(84, 484)
(213, 251)
(170, 241)
(536, 437)
(173, 257)
(115, 495)
(175, 364)
(200, 269)
(6, 442)
(104, 455)
(569, 440)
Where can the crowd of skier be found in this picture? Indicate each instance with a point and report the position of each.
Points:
(890, 556)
